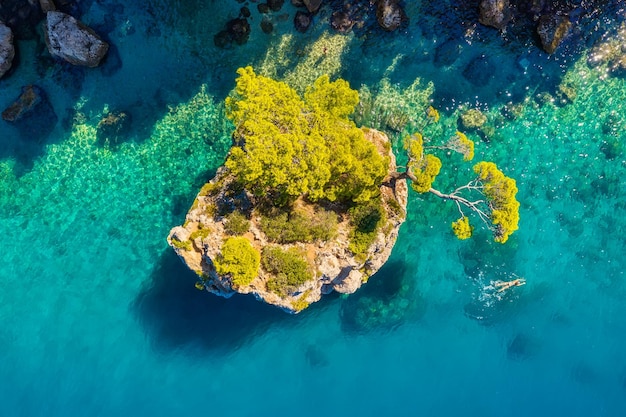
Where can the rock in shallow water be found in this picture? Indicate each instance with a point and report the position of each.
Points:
(69, 39)
(495, 13)
(552, 29)
(390, 14)
(7, 50)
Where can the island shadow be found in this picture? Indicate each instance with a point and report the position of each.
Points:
(176, 315)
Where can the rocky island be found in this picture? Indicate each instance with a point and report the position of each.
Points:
(308, 203)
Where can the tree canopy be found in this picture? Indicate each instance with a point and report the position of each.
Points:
(286, 146)
(490, 195)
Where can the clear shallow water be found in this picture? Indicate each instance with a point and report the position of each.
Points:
(100, 318)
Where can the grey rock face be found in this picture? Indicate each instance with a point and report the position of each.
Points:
(69, 39)
(7, 50)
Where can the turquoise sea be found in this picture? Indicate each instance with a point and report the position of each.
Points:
(98, 317)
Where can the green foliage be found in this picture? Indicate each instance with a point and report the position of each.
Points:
(236, 223)
(286, 147)
(289, 269)
(295, 226)
(366, 220)
(425, 171)
(501, 191)
(301, 303)
(201, 233)
(462, 229)
(184, 245)
(239, 259)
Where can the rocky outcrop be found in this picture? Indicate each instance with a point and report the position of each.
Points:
(72, 41)
(390, 14)
(7, 50)
(200, 240)
(495, 13)
(552, 29)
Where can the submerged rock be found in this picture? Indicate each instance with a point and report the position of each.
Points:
(7, 50)
(335, 267)
(302, 21)
(390, 14)
(495, 13)
(552, 29)
(72, 41)
(312, 5)
(31, 97)
(31, 113)
(113, 126)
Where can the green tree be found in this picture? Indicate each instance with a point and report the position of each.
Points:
(286, 147)
(491, 195)
(239, 259)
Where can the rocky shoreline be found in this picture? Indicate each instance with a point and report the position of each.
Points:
(67, 40)
(199, 241)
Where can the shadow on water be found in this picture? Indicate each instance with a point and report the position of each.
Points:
(175, 314)
(387, 301)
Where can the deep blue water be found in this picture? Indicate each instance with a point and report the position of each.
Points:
(99, 317)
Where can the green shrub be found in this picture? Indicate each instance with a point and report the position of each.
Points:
(284, 227)
(239, 259)
(366, 219)
(186, 245)
(236, 223)
(202, 233)
(289, 269)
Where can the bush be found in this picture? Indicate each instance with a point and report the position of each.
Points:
(239, 259)
(283, 227)
(289, 268)
(236, 224)
(367, 219)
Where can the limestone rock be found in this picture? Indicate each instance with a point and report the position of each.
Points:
(69, 39)
(495, 13)
(552, 29)
(7, 50)
(200, 240)
(390, 14)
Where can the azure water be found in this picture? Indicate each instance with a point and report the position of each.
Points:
(99, 317)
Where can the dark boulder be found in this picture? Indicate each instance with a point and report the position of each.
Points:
(275, 5)
(479, 71)
(7, 50)
(447, 53)
(31, 113)
(390, 14)
(341, 21)
(267, 26)
(312, 5)
(552, 29)
(237, 31)
(302, 21)
(495, 13)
